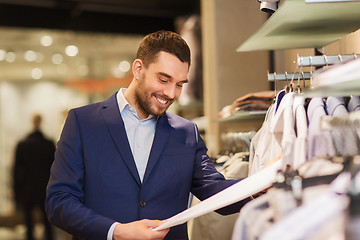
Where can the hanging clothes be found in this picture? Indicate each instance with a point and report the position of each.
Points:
(264, 148)
(354, 105)
(255, 218)
(315, 216)
(213, 226)
(320, 143)
(346, 140)
(283, 125)
(262, 214)
(300, 145)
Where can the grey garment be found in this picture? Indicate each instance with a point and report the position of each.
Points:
(354, 104)
(254, 219)
(346, 140)
(320, 143)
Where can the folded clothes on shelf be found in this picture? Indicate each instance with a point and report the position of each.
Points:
(257, 101)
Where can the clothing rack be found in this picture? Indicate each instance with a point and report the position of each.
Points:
(289, 76)
(324, 60)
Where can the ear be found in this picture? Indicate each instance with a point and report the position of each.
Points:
(137, 68)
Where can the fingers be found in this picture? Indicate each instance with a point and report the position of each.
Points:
(139, 230)
(153, 224)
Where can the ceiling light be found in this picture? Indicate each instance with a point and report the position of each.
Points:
(46, 41)
(71, 50)
(30, 56)
(2, 54)
(36, 73)
(57, 58)
(10, 57)
(124, 66)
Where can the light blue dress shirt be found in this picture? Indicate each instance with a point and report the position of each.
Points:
(140, 134)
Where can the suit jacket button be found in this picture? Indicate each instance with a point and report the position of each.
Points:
(142, 204)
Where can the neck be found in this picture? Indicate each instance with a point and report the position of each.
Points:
(129, 95)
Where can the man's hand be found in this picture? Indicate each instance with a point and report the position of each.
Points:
(139, 230)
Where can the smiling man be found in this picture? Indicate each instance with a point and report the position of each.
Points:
(125, 164)
(156, 85)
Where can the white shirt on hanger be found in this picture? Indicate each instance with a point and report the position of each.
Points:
(299, 112)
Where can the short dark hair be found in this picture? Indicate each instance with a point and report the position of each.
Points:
(166, 41)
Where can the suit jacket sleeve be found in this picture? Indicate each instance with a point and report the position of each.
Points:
(207, 181)
(65, 194)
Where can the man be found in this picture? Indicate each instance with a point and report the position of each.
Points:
(33, 158)
(124, 161)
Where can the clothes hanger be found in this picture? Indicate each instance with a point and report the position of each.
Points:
(298, 88)
(290, 86)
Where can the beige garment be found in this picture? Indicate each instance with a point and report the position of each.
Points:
(213, 226)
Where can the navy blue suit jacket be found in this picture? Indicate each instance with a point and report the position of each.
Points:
(94, 179)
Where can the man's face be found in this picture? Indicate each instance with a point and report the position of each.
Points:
(160, 84)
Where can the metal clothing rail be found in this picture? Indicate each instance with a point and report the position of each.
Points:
(289, 76)
(324, 60)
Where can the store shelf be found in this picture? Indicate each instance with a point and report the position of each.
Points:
(297, 24)
(244, 116)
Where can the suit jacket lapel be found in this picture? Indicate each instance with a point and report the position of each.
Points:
(117, 131)
(160, 139)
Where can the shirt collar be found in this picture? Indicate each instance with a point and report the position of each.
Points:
(121, 99)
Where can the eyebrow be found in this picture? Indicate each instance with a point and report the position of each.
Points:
(168, 76)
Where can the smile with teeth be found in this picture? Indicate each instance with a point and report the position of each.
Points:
(162, 101)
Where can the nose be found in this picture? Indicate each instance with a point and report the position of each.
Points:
(170, 91)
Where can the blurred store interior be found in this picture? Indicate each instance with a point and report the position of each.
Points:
(59, 54)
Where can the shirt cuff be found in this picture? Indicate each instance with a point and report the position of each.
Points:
(111, 231)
